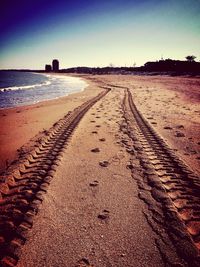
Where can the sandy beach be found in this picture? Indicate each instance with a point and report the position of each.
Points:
(104, 177)
(171, 105)
(22, 124)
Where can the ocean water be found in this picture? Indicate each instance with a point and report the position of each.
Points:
(24, 88)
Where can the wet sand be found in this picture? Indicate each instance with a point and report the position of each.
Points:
(21, 126)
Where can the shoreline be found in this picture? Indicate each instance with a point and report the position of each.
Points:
(43, 101)
(23, 123)
(47, 83)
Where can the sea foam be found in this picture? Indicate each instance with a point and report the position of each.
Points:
(14, 88)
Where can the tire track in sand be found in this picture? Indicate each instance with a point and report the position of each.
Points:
(169, 188)
(23, 185)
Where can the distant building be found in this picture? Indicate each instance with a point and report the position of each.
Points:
(55, 65)
(47, 68)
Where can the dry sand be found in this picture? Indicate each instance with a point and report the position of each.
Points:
(172, 107)
(97, 216)
(91, 214)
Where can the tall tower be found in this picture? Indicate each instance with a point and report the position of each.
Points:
(55, 65)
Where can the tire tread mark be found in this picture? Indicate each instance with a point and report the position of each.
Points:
(168, 177)
(23, 184)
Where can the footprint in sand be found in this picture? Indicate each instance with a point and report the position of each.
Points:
(102, 139)
(191, 150)
(98, 126)
(94, 132)
(95, 150)
(92, 121)
(180, 127)
(104, 215)
(167, 128)
(94, 183)
(104, 163)
(179, 134)
(83, 263)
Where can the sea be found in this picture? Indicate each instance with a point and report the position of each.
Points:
(24, 88)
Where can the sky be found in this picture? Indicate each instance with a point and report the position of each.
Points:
(97, 33)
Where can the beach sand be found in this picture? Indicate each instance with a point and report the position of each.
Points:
(105, 205)
(170, 104)
(20, 125)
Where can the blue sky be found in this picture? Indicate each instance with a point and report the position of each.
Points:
(97, 33)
